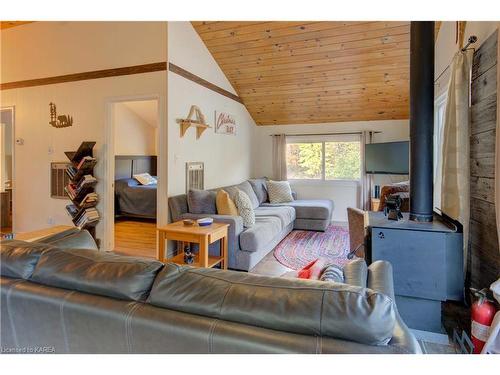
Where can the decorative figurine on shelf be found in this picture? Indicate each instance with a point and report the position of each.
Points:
(188, 255)
(392, 207)
(56, 121)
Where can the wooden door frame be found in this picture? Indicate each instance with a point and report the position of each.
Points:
(109, 165)
(12, 110)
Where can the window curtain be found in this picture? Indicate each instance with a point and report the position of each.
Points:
(279, 157)
(455, 188)
(365, 179)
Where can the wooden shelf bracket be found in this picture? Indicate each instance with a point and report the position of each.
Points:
(198, 122)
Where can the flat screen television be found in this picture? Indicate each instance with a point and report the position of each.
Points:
(387, 158)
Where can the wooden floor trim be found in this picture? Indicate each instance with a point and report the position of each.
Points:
(105, 73)
(202, 82)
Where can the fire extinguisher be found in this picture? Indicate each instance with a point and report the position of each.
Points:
(482, 314)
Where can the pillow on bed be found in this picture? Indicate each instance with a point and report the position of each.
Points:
(145, 179)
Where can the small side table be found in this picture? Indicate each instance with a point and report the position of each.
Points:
(203, 236)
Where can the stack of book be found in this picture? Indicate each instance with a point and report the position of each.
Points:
(81, 187)
(90, 200)
(83, 218)
(78, 190)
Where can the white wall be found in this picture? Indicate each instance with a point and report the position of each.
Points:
(343, 193)
(133, 135)
(227, 159)
(61, 48)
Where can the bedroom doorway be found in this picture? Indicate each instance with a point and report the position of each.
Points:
(6, 170)
(135, 126)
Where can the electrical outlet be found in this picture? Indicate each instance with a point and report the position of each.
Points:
(50, 220)
(50, 150)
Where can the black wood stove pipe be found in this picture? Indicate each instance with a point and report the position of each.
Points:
(421, 120)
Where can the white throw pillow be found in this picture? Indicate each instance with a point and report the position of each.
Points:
(245, 208)
(279, 192)
(145, 179)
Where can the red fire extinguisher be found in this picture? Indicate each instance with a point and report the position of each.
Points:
(482, 314)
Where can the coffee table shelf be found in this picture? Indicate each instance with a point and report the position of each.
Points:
(212, 260)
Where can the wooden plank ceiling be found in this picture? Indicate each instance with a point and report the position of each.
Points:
(9, 24)
(314, 72)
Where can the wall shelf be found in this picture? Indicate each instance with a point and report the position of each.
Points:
(200, 128)
(199, 122)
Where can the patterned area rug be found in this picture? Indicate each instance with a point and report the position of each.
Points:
(301, 247)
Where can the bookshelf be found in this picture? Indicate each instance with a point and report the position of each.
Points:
(81, 188)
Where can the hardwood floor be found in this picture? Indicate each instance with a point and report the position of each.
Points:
(135, 237)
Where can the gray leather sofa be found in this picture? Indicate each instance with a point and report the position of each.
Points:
(77, 300)
(247, 246)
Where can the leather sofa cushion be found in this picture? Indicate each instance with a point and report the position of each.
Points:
(261, 233)
(19, 258)
(300, 306)
(309, 208)
(96, 272)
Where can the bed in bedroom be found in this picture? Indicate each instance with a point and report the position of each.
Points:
(133, 199)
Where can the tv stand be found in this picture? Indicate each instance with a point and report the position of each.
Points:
(427, 262)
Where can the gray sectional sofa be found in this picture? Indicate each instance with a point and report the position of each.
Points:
(247, 246)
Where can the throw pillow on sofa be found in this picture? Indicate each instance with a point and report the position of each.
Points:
(333, 273)
(201, 201)
(224, 203)
(279, 192)
(245, 208)
(260, 188)
(247, 189)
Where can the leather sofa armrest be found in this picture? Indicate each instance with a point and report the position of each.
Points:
(59, 235)
(355, 273)
(79, 239)
(380, 279)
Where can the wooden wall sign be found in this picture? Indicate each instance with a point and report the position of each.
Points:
(225, 123)
(62, 121)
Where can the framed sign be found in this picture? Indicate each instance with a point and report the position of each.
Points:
(225, 123)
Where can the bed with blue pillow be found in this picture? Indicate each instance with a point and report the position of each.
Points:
(133, 198)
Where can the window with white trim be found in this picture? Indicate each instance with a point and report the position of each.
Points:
(325, 158)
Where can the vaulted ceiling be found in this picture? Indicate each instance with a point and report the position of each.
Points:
(314, 72)
(9, 24)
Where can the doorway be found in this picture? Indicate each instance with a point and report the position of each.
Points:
(133, 147)
(6, 170)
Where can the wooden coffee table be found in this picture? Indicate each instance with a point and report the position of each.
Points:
(203, 236)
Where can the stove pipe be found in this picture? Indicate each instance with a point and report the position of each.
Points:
(421, 120)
